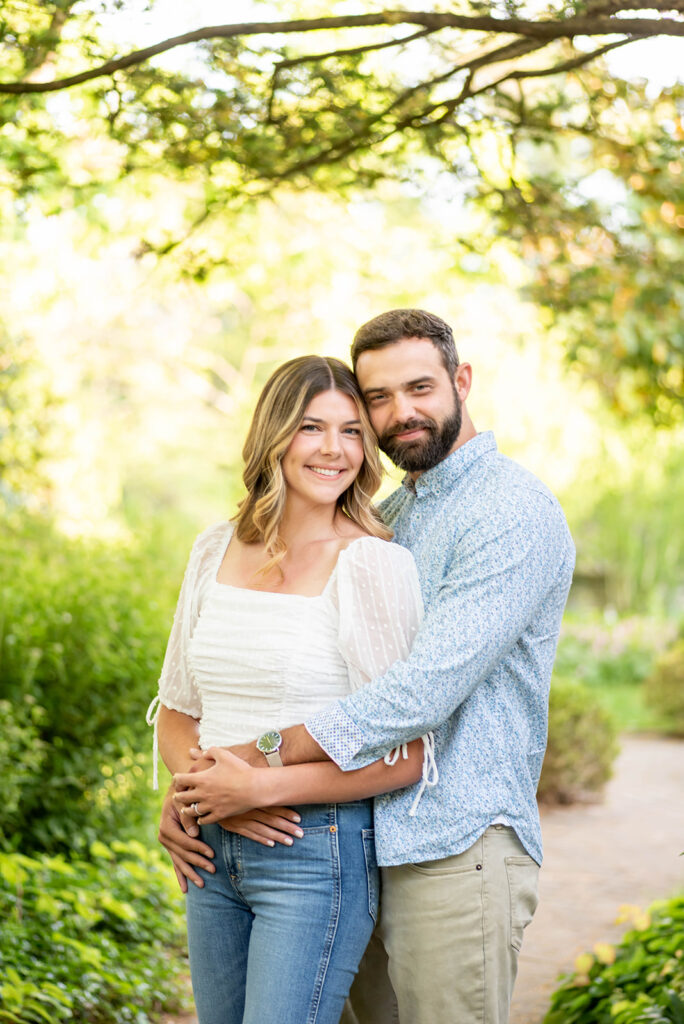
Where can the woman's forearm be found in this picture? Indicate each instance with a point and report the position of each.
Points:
(324, 782)
(177, 734)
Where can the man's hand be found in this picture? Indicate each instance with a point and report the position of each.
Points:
(177, 833)
(229, 787)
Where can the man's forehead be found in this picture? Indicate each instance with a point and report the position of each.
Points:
(398, 364)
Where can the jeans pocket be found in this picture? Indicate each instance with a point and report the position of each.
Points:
(372, 872)
(523, 876)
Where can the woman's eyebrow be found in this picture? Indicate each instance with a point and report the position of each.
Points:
(315, 419)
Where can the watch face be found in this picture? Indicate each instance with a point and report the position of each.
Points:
(269, 742)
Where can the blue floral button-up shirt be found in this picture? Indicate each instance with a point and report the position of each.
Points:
(495, 560)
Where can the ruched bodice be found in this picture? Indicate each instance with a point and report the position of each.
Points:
(262, 660)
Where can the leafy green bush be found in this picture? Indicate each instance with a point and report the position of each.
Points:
(665, 688)
(94, 941)
(614, 658)
(640, 980)
(581, 745)
(22, 755)
(83, 627)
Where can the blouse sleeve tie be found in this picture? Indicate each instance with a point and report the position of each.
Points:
(152, 717)
(430, 776)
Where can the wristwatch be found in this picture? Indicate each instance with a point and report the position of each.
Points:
(269, 743)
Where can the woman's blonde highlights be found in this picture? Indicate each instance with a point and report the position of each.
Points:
(277, 417)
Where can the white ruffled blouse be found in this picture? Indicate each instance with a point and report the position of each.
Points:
(243, 661)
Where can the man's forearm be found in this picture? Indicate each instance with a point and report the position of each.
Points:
(299, 747)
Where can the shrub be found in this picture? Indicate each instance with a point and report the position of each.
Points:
(665, 688)
(94, 941)
(82, 632)
(642, 979)
(581, 745)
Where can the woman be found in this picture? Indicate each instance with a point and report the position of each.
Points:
(296, 602)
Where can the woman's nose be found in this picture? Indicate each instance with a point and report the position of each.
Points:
(330, 443)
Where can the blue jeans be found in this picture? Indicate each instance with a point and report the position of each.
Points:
(277, 933)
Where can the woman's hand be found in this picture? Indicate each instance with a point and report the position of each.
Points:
(267, 826)
(228, 788)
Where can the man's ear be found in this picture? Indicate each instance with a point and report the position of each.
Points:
(463, 378)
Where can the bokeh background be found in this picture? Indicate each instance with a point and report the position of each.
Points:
(169, 233)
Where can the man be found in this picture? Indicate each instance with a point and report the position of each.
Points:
(495, 561)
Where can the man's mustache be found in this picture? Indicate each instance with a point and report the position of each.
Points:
(414, 424)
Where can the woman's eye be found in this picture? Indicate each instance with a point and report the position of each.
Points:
(353, 431)
(309, 427)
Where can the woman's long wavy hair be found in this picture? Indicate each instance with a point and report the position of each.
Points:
(277, 418)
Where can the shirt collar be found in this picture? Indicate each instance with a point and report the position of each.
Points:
(444, 475)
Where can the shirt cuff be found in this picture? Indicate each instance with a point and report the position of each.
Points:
(336, 733)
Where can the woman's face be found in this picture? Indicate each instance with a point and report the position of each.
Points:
(326, 453)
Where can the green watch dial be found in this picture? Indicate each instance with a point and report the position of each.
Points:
(269, 742)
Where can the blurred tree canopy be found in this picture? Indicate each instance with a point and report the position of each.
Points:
(512, 104)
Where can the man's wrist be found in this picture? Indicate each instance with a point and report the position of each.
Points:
(299, 747)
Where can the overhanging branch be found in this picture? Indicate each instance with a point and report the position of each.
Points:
(544, 30)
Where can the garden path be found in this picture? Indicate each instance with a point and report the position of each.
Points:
(596, 857)
(624, 849)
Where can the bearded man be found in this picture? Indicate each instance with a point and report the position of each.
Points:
(495, 561)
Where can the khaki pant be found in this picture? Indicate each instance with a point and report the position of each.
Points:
(452, 929)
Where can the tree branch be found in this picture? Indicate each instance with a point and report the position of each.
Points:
(309, 58)
(564, 28)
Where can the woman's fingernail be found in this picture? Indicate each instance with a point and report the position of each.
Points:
(270, 843)
(289, 841)
(297, 818)
(299, 833)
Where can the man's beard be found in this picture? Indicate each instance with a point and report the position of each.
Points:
(424, 453)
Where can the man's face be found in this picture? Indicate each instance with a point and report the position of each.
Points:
(413, 402)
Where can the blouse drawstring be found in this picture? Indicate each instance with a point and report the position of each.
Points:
(430, 774)
(152, 717)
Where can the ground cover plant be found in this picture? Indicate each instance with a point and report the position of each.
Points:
(639, 980)
(97, 940)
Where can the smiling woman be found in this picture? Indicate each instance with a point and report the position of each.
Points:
(291, 606)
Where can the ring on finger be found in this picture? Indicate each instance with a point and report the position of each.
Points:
(195, 809)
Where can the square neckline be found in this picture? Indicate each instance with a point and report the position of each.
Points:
(275, 593)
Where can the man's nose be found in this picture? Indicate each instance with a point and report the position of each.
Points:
(403, 408)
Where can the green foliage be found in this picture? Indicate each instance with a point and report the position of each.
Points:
(665, 688)
(96, 941)
(581, 745)
(613, 659)
(522, 127)
(641, 980)
(83, 630)
(597, 205)
(26, 405)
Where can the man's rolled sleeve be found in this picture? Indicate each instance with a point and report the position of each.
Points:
(336, 734)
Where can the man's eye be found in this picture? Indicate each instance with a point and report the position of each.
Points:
(375, 399)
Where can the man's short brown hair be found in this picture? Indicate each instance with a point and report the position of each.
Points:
(396, 324)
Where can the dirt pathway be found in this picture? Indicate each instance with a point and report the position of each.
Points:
(597, 857)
